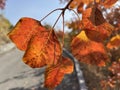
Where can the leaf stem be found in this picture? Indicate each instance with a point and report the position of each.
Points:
(63, 30)
(76, 14)
(63, 10)
(56, 21)
(62, 13)
(50, 13)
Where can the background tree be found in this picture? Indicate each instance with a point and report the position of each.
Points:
(2, 4)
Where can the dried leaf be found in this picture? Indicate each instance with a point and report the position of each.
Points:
(108, 3)
(88, 51)
(97, 33)
(55, 73)
(23, 31)
(44, 48)
(80, 8)
(114, 42)
(96, 17)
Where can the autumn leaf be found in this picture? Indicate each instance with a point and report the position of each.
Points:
(23, 31)
(80, 8)
(114, 42)
(89, 1)
(97, 31)
(108, 3)
(96, 16)
(54, 74)
(44, 48)
(88, 51)
(78, 3)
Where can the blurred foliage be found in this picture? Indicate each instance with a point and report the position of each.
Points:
(2, 4)
(5, 27)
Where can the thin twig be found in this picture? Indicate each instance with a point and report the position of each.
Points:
(50, 13)
(62, 13)
(56, 21)
(67, 6)
(63, 30)
(76, 14)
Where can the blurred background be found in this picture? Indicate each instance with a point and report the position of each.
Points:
(15, 75)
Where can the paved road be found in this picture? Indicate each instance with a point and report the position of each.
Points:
(15, 75)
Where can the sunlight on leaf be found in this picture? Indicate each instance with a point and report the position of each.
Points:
(54, 74)
(23, 31)
(114, 42)
(88, 51)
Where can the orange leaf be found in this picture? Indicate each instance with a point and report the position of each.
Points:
(108, 3)
(23, 31)
(101, 31)
(44, 48)
(89, 1)
(74, 4)
(114, 42)
(88, 51)
(55, 73)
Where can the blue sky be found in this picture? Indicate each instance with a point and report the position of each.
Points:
(15, 9)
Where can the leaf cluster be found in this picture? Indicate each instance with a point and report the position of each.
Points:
(91, 44)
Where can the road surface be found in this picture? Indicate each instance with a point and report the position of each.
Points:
(15, 75)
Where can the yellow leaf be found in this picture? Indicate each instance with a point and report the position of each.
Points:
(114, 42)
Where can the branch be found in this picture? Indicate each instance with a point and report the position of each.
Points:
(67, 6)
(63, 10)
(50, 13)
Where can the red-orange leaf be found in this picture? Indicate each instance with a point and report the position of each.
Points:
(44, 48)
(88, 51)
(23, 31)
(108, 3)
(114, 42)
(55, 73)
(101, 31)
(76, 3)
